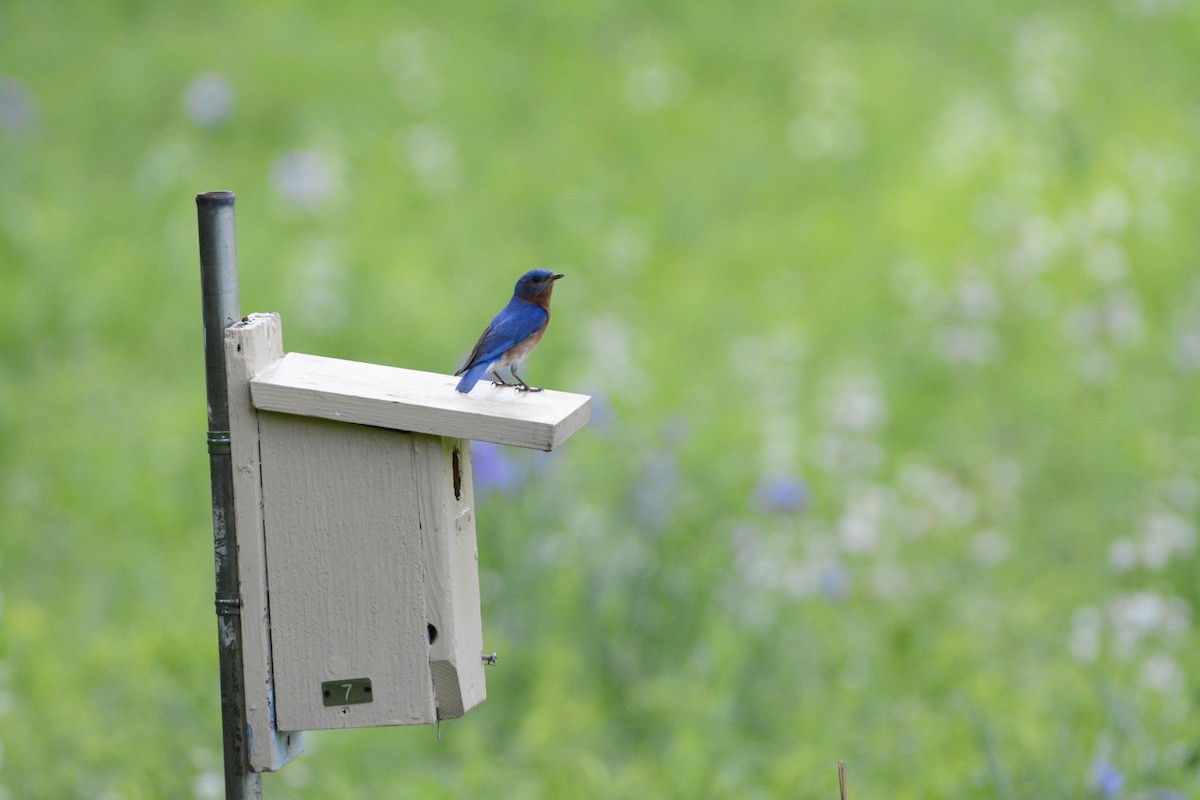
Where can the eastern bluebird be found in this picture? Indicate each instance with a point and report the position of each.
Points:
(513, 334)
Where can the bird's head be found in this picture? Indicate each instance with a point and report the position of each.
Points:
(536, 285)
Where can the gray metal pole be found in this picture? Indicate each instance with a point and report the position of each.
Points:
(219, 291)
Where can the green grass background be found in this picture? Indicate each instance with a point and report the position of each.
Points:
(892, 316)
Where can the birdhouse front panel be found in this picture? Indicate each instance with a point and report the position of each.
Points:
(363, 569)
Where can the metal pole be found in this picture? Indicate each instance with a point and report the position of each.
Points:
(219, 291)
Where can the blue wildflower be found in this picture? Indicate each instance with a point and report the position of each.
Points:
(1106, 779)
(782, 494)
(494, 469)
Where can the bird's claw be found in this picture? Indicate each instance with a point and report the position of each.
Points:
(529, 388)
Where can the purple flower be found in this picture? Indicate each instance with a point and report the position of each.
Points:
(1106, 779)
(493, 469)
(781, 494)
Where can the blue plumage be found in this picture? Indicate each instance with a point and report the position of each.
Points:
(513, 334)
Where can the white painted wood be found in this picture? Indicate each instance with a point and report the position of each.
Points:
(421, 402)
(356, 479)
(250, 346)
(445, 498)
(344, 558)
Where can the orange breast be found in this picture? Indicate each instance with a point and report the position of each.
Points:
(518, 352)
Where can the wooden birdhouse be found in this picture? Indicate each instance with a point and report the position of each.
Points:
(356, 539)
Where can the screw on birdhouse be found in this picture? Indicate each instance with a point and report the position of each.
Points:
(490, 660)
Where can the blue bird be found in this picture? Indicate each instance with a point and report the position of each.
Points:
(513, 334)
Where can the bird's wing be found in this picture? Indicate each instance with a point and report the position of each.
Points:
(513, 325)
(473, 359)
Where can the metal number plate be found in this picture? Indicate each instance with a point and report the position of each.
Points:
(346, 692)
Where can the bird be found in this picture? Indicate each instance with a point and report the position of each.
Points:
(513, 333)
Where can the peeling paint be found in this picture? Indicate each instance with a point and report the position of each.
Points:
(226, 632)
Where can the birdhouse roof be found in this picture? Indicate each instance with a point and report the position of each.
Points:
(419, 402)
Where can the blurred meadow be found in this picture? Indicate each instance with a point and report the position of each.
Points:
(892, 320)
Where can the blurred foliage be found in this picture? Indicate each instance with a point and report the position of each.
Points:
(891, 315)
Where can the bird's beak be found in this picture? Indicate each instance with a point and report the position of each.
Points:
(556, 277)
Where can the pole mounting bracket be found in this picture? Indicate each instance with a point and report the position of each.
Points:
(229, 606)
(218, 443)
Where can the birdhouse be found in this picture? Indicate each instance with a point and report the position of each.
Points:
(355, 525)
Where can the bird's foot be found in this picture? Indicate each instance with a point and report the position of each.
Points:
(527, 388)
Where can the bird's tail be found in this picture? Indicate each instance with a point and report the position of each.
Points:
(471, 377)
